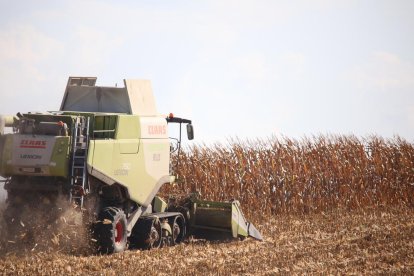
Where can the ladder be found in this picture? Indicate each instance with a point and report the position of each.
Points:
(79, 185)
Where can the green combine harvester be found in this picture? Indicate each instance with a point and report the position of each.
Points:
(107, 152)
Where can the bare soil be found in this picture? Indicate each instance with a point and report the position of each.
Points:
(370, 241)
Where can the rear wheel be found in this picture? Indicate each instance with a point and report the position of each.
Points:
(111, 230)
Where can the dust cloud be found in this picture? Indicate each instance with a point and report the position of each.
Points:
(40, 227)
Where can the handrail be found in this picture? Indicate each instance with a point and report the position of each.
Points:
(103, 131)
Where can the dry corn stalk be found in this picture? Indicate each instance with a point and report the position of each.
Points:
(300, 176)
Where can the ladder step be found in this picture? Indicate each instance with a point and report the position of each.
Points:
(80, 146)
(77, 185)
(78, 167)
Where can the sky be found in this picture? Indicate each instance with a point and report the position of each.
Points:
(246, 69)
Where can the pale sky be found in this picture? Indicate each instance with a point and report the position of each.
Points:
(250, 69)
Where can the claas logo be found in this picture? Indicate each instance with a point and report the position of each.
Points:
(33, 144)
(157, 130)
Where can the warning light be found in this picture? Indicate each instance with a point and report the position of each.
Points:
(171, 116)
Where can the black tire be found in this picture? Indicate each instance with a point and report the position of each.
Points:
(111, 231)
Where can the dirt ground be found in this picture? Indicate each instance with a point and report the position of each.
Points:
(369, 241)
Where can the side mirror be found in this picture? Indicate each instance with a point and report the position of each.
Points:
(190, 132)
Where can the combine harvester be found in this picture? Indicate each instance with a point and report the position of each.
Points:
(107, 151)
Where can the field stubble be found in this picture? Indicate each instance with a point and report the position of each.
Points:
(378, 240)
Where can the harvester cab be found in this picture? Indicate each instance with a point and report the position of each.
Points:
(107, 151)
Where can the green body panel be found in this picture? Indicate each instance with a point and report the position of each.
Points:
(128, 127)
(129, 156)
(48, 160)
(117, 161)
(59, 162)
(159, 205)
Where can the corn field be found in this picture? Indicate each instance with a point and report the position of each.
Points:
(277, 181)
(287, 176)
